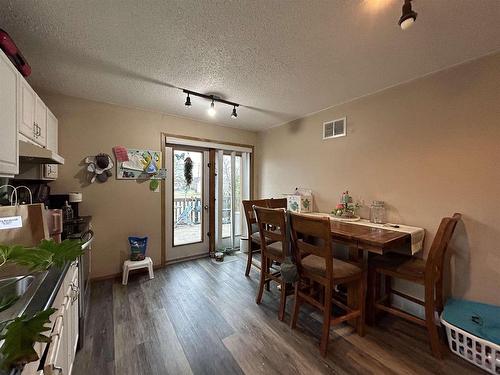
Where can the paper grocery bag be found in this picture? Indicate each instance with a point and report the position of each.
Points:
(22, 224)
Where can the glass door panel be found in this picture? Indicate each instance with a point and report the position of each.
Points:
(226, 196)
(188, 201)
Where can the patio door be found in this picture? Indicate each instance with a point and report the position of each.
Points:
(187, 202)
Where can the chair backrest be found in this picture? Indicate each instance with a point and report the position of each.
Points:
(435, 259)
(277, 203)
(272, 225)
(250, 214)
(311, 235)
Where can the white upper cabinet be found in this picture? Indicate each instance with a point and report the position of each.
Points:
(51, 170)
(33, 123)
(52, 130)
(40, 122)
(27, 104)
(9, 164)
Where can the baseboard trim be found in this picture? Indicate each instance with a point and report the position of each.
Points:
(185, 259)
(118, 275)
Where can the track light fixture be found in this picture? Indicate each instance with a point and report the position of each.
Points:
(211, 110)
(408, 16)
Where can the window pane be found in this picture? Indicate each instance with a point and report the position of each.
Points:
(237, 196)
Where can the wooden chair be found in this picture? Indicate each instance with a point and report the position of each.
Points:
(428, 273)
(277, 203)
(316, 264)
(272, 230)
(253, 230)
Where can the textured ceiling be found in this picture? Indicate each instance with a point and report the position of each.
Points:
(279, 59)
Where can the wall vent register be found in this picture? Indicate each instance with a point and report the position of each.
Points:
(334, 129)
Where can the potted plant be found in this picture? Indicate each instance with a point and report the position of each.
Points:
(20, 333)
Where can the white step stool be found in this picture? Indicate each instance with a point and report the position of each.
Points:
(137, 264)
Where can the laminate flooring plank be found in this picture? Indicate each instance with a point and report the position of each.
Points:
(198, 317)
(98, 350)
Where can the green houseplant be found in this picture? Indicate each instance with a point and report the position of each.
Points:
(21, 333)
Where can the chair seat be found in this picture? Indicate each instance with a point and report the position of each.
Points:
(341, 269)
(256, 238)
(400, 266)
(275, 248)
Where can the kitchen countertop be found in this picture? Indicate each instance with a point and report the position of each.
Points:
(43, 298)
(47, 291)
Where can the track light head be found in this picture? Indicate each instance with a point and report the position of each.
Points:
(213, 98)
(211, 110)
(408, 16)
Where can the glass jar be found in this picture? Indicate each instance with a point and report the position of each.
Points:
(377, 212)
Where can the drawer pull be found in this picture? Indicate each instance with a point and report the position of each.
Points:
(75, 292)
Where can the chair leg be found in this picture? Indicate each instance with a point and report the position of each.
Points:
(296, 306)
(267, 267)
(281, 314)
(360, 323)
(263, 270)
(373, 289)
(388, 287)
(249, 259)
(432, 329)
(327, 314)
(439, 296)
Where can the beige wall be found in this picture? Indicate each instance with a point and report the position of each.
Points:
(119, 208)
(427, 148)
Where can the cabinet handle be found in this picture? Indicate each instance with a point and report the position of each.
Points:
(75, 292)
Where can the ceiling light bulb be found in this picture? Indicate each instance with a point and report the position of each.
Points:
(188, 102)
(211, 110)
(234, 114)
(408, 16)
(407, 23)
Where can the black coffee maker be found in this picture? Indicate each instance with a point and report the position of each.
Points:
(71, 225)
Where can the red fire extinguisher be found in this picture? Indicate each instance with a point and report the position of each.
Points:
(9, 47)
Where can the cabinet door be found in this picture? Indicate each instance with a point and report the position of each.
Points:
(27, 110)
(73, 320)
(9, 165)
(52, 129)
(40, 122)
(57, 354)
(51, 170)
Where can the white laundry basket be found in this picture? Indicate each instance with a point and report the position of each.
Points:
(478, 351)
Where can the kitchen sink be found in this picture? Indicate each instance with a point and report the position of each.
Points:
(15, 286)
(18, 284)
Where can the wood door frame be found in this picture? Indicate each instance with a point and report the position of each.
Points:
(211, 179)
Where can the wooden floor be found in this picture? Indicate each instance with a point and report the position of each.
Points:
(201, 318)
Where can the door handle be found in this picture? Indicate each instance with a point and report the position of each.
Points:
(205, 207)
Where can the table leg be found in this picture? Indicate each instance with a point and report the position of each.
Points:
(361, 257)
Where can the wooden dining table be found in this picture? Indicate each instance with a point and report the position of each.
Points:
(363, 242)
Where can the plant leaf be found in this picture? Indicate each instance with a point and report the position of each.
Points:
(63, 252)
(35, 259)
(20, 335)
